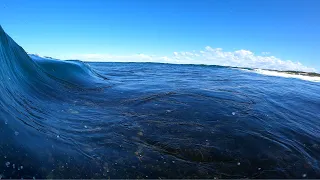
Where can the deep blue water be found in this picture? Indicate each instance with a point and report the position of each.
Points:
(141, 120)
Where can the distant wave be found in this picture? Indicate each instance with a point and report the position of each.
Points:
(288, 74)
(314, 77)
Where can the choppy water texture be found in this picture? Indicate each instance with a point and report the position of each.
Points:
(142, 120)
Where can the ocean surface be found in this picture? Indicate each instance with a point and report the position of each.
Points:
(69, 119)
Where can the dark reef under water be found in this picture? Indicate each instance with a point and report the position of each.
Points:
(69, 119)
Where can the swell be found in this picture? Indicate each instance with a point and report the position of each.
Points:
(21, 74)
(31, 90)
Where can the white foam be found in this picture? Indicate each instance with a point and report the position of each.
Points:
(287, 75)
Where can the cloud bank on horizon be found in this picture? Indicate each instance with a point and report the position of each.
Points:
(208, 56)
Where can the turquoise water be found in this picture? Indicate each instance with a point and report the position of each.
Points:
(69, 119)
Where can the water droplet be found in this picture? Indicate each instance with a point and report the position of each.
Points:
(304, 175)
(13, 166)
(58, 136)
(16, 133)
(140, 133)
(259, 169)
(21, 167)
(7, 164)
(238, 163)
(233, 113)
(85, 126)
(73, 111)
(6, 122)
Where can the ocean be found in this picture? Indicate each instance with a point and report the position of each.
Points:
(70, 119)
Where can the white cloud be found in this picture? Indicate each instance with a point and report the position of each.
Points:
(208, 56)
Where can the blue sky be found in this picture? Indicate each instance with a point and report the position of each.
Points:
(286, 29)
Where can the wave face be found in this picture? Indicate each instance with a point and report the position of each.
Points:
(69, 119)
